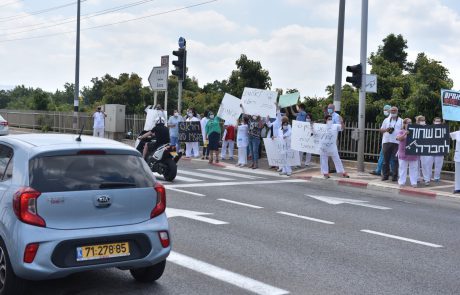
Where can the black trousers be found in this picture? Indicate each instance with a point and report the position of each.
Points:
(389, 151)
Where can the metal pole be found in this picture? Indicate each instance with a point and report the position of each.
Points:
(339, 57)
(166, 101)
(155, 98)
(77, 73)
(179, 97)
(362, 91)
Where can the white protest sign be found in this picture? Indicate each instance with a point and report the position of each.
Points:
(152, 116)
(321, 139)
(259, 102)
(230, 109)
(279, 155)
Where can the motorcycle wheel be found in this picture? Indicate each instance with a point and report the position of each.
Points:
(170, 171)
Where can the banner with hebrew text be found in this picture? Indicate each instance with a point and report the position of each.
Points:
(314, 138)
(279, 154)
(259, 102)
(430, 140)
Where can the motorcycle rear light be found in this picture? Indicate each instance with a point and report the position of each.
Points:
(164, 238)
(25, 206)
(160, 205)
(29, 252)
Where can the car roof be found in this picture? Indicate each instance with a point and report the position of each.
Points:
(37, 143)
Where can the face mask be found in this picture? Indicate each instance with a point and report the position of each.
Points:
(437, 122)
(386, 113)
(394, 115)
(308, 120)
(422, 123)
(285, 127)
(330, 111)
(211, 116)
(329, 122)
(176, 114)
(190, 114)
(254, 117)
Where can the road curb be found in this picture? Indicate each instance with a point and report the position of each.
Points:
(355, 183)
(417, 192)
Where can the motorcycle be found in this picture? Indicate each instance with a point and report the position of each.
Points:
(163, 160)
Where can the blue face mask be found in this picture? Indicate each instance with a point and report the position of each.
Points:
(330, 111)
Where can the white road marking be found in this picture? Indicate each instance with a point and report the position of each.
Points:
(240, 175)
(178, 177)
(401, 238)
(254, 171)
(195, 215)
(204, 175)
(338, 201)
(224, 275)
(239, 203)
(275, 181)
(186, 192)
(305, 217)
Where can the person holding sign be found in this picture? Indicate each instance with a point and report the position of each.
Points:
(437, 160)
(254, 130)
(191, 148)
(228, 141)
(213, 136)
(242, 141)
(286, 134)
(390, 128)
(456, 136)
(406, 161)
(424, 160)
(203, 123)
(331, 150)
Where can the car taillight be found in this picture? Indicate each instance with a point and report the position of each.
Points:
(160, 205)
(29, 252)
(25, 206)
(4, 123)
(164, 238)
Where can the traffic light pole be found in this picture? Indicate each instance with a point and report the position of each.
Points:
(77, 73)
(362, 90)
(179, 97)
(339, 57)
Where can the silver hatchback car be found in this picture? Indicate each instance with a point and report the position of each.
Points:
(71, 204)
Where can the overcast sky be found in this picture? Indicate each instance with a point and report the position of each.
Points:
(295, 40)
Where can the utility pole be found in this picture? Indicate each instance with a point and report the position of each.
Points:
(362, 90)
(77, 73)
(339, 57)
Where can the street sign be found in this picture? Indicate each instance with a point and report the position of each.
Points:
(158, 78)
(165, 60)
(371, 83)
(181, 42)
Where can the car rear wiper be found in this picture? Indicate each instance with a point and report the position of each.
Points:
(116, 184)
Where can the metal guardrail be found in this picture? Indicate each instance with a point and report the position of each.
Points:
(62, 122)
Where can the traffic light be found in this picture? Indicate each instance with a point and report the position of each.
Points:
(357, 72)
(180, 63)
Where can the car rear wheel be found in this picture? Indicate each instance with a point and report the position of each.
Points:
(149, 274)
(10, 284)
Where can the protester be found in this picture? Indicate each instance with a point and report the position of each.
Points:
(302, 116)
(390, 128)
(242, 142)
(332, 130)
(438, 161)
(378, 170)
(424, 160)
(213, 132)
(286, 135)
(336, 119)
(276, 130)
(192, 148)
(98, 126)
(173, 125)
(404, 160)
(228, 141)
(456, 136)
(255, 126)
(203, 123)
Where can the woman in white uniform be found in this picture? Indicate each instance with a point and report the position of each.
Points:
(332, 151)
(242, 142)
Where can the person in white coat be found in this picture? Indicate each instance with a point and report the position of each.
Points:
(456, 136)
(333, 152)
(286, 135)
(203, 123)
(192, 148)
(242, 142)
(276, 128)
(438, 161)
(424, 160)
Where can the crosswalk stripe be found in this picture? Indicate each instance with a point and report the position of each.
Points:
(204, 175)
(253, 171)
(240, 175)
(178, 177)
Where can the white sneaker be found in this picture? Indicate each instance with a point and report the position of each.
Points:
(427, 183)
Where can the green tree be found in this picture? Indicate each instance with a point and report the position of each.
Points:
(394, 50)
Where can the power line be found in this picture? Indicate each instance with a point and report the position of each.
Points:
(72, 19)
(19, 16)
(111, 24)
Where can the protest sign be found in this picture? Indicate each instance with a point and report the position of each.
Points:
(289, 99)
(152, 116)
(190, 131)
(314, 139)
(431, 140)
(259, 102)
(278, 153)
(230, 109)
(450, 101)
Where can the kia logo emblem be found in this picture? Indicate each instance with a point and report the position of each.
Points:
(103, 201)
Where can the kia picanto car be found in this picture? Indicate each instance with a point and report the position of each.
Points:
(71, 204)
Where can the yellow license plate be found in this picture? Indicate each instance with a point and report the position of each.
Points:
(102, 251)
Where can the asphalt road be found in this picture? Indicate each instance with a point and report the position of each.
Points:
(266, 234)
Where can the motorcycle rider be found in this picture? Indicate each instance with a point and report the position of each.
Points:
(161, 133)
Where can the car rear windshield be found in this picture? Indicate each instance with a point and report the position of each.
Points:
(88, 172)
